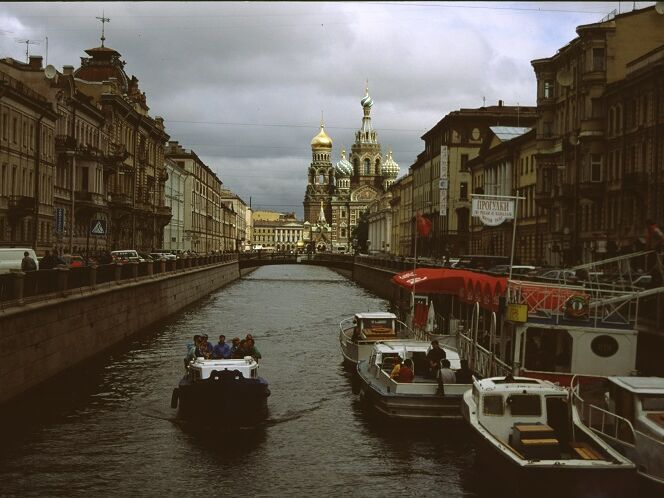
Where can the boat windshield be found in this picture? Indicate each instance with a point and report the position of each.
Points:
(525, 404)
(653, 403)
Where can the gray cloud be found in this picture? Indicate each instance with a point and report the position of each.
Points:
(243, 84)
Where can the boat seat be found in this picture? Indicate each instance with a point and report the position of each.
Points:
(585, 452)
(540, 442)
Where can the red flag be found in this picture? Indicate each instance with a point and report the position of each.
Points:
(423, 224)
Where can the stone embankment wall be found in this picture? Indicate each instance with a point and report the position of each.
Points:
(377, 280)
(41, 339)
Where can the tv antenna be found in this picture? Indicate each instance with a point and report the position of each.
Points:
(27, 47)
(103, 20)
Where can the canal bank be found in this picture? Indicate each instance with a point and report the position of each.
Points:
(44, 338)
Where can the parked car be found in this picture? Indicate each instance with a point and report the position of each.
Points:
(559, 275)
(10, 258)
(125, 256)
(73, 261)
(163, 255)
(516, 269)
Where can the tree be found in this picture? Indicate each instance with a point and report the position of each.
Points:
(361, 232)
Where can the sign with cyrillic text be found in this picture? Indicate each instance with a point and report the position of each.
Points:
(443, 183)
(492, 212)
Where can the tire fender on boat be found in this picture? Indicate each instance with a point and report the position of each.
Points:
(175, 397)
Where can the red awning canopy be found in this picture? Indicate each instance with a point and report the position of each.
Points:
(468, 285)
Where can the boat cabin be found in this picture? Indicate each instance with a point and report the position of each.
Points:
(528, 415)
(639, 400)
(374, 326)
(201, 369)
(385, 356)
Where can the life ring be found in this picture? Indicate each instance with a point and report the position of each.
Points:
(175, 397)
(577, 306)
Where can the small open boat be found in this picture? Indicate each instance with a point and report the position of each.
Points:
(533, 447)
(423, 398)
(358, 334)
(223, 390)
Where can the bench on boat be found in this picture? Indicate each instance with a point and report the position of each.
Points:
(378, 333)
(585, 451)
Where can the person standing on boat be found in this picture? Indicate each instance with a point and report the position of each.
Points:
(191, 350)
(235, 346)
(204, 348)
(221, 351)
(435, 354)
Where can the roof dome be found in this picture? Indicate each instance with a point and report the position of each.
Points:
(321, 141)
(104, 63)
(390, 167)
(366, 101)
(344, 167)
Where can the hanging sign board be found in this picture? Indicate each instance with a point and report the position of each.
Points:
(517, 313)
(493, 212)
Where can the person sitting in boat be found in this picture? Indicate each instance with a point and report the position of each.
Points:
(221, 350)
(241, 349)
(446, 375)
(464, 375)
(191, 350)
(394, 374)
(406, 373)
(204, 348)
(235, 345)
(251, 349)
(435, 354)
(357, 334)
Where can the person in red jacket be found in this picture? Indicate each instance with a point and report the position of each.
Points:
(406, 373)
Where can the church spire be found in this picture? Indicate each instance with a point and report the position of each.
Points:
(321, 215)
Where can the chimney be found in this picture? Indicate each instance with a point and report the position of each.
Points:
(67, 70)
(35, 62)
(500, 103)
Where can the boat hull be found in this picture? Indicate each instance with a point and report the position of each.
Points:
(235, 401)
(529, 480)
(407, 406)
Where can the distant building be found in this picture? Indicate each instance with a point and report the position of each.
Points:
(347, 188)
(174, 237)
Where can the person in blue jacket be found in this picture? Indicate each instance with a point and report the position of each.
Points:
(221, 350)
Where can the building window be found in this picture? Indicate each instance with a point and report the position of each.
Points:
(548, 89)
(547, 128)
(367, 167)
(595, 167)
(463, 191)
(598, 59)
(464, 162)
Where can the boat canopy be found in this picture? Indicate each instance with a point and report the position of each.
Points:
(468, 285)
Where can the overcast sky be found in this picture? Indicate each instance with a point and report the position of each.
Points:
(244, 84)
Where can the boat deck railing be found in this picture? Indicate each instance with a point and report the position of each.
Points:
(481, 360)
(600, 420)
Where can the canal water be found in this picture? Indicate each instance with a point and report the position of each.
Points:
(107, 428)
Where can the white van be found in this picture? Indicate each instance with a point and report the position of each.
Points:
(125, 256)
(10, 258)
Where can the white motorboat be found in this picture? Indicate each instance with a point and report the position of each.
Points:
(628, 413)
(227, 390)
(530, 442)
(358, 334)
(423, 398)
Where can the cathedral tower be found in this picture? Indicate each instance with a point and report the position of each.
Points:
(320, 184)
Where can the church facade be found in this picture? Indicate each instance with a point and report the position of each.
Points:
(337, 195)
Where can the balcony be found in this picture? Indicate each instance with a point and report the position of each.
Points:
(20, 206)
(65, 143)
(591, 190)
(592, 128)
(594, 77)
(122, 200)
(90, 199)
(635, 181)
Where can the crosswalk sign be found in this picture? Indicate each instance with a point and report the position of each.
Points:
(98, 227)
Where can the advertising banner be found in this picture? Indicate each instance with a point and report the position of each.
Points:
(492, 212)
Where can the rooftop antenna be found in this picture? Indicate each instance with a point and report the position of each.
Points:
(483, 101)
(517, 113)
(27, 47)
(46, 62)
(103, 20)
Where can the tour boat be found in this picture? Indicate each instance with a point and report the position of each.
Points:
(628, 413)
(222, 390)
(552, 330)
(533, 447)
(423, 398)
(358, 334)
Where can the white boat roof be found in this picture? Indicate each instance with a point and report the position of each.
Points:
(376, 314)
(520, 385)
(640, 385)
(229, 363)
(397, 346)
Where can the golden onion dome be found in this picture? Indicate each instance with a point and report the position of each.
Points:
(321, 141)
